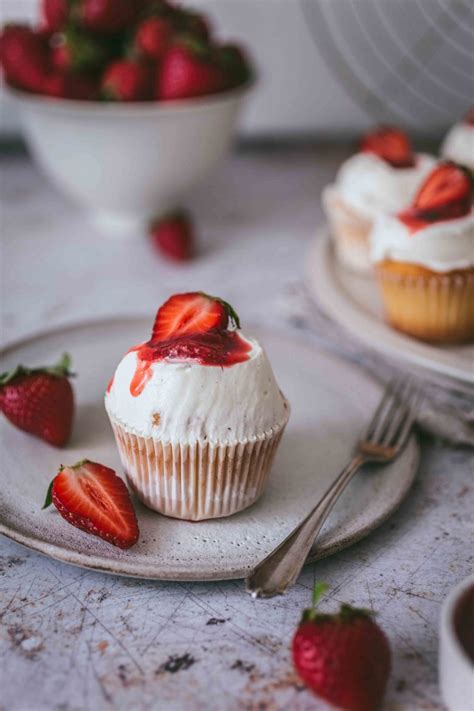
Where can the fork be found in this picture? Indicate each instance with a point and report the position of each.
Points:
(381, 443)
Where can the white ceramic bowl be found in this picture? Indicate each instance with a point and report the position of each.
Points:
(456, 671)
(126, 163)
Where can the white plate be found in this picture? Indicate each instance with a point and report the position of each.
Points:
(330, 400)
(354, 302)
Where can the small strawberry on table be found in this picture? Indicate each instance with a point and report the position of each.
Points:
(40, 400)
(173, 236)
(344, 657)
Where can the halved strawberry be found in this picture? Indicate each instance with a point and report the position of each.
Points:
(446, 194)
(194, 312)
(447, 191)
(93, 498)
(390, 144)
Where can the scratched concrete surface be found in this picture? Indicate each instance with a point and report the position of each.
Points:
(74, 640)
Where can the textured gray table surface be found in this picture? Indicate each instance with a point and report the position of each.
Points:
(75, 640)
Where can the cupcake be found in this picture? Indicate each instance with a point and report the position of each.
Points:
(424, 259)
(196, 412)
(383, 177)
(458, 144)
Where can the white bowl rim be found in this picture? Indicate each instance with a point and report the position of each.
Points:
(111, 109)
(447, 616)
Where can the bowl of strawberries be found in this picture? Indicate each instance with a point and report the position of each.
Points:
(125, 104)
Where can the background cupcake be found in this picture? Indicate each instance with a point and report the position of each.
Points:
(424, 259)
(383, 177)
(458, 144)
(196, 412)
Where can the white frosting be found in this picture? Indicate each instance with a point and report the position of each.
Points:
(441, 247)
(371, 186)
(186, 402)
(458, 144)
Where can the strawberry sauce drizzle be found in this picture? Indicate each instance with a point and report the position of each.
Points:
(417, 220)
(215, 348)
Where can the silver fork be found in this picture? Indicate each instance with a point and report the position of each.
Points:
(383, 440)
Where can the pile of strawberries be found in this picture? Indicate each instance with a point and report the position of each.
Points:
(120, 50)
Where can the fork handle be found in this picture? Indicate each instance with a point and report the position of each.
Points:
(279, 570)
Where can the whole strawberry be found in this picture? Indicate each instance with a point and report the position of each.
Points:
(344, 658)
(93, 498)
(173, 236)
(40, 400)
(153, 36)
(188, 69)
(24, 57)
(126, 80)
(106, 16)
(55, 14)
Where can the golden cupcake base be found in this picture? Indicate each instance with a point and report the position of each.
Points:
(431, 306)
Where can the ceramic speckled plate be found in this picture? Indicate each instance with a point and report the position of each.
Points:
(354, 302)
(331, 401)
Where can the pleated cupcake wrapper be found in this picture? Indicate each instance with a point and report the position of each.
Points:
(438, 307)
(196, 481)
(350, 232)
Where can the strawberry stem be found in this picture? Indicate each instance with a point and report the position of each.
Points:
(318, 591)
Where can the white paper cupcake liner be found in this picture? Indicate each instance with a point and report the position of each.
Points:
(196, 481)
(350, 233)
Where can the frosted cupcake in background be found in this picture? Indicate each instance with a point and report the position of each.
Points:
(383, 177)
(458, 144)
(424, 259)
(196, 411)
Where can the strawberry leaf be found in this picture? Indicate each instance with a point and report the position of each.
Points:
(49, 496)
(230, 309)
(318, 591)
(61, 370)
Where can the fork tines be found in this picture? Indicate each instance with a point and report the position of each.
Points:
(395, 414)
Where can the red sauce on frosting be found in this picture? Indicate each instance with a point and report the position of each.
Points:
(111, 382)
(218, 348)
(416, 220)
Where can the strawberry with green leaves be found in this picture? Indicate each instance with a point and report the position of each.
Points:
(40, 400)
(192, 313)
(188, 69)
(126, 80)
(24, 57)
(344, 657)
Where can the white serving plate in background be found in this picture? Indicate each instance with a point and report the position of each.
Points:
(353, 301)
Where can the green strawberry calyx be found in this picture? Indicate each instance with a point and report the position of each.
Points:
(231, 312)
(62, 369)
(346, 613)
(49, 494)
